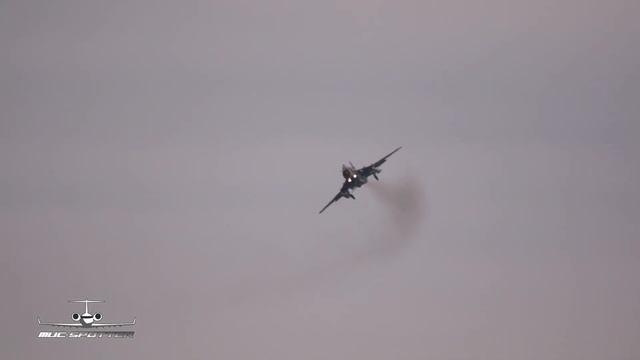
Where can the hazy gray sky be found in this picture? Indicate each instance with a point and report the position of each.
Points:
(170, 157)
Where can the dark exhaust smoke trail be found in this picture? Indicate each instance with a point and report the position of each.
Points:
(403, 212)
(404, 206)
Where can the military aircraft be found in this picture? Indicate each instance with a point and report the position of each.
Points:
(355, 178)
(86, 320)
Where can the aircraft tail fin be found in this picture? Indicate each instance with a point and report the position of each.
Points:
(86, 303)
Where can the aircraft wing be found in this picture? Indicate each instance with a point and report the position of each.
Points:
(106, 325)
(335, 198)
(381, 161)
(60, 324)
(367, 170)
(344, 190)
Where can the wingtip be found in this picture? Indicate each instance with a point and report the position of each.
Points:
(394, 151)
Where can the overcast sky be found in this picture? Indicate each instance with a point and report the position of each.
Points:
(170, 157)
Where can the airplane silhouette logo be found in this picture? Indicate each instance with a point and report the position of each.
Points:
(87, 320)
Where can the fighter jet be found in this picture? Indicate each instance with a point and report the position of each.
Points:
(86, 320)
(355, 178)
